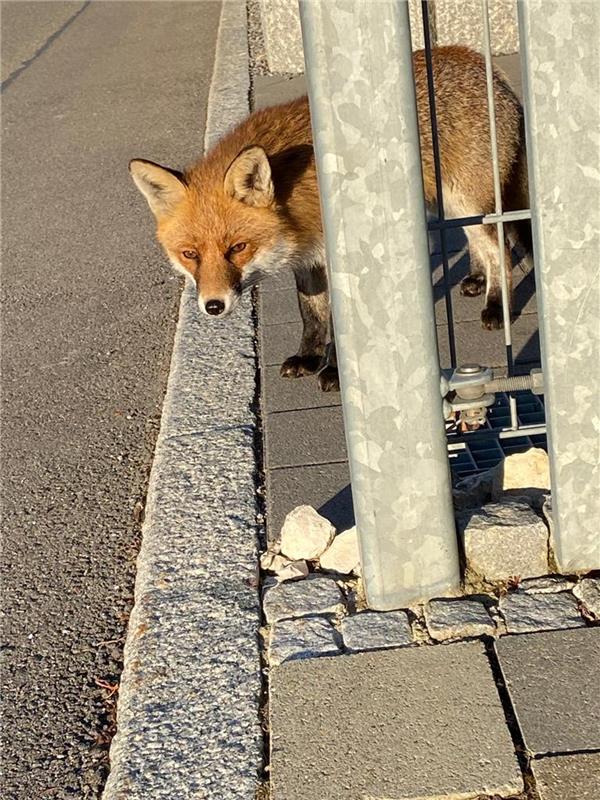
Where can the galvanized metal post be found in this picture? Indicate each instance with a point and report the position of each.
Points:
(561, 71)
(363, 106)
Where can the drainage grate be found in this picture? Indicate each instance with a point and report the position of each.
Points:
(482, 449)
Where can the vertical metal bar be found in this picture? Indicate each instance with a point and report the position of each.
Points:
(363, 107)
(439, 189)
(561, 71)
(489, 74)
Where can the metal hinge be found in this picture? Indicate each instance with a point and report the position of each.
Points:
(471, 389)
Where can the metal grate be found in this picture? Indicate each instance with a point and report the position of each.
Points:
(478, 451)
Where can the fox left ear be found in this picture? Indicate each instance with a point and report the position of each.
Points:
(163, 188)
(249, 178)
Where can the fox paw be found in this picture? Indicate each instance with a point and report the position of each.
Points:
(298, 366)
(491, 316)
(472, 285)
(329, 380)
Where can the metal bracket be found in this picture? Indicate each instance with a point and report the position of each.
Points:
(471, 390)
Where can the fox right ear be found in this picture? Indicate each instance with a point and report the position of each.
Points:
(249, 178)
(163, 188)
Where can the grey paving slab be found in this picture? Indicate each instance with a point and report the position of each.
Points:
(568, 777)
(278, 342)
(310, 436)
(278, 306)
(272, 89)
(284, 279)
(474, 344)
(552, 678)
(326, 487)
(422, 722)
(289, 394)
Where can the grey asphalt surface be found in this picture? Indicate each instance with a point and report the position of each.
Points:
(89, 309)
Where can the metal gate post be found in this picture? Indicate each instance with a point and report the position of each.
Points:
(363, 106)
(561, 71)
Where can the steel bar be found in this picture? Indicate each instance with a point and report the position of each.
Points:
(439, 188)
(361, 91)
(489, 74)
(561, 71)
(483, 219)
(497, 433)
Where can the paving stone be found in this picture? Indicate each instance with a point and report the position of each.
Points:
(307, 637)
(474, 345)
(504, 540)
(278, 306)
(326, 487)
(588, 591)
(278, 342)
(547, 584)
(317, 594)
(312, 436)
(525, 612)
(342, 555)
(291, 394)
(373, 630)
(553, 682)
(413, 722)
(454, 619)
(568, 777)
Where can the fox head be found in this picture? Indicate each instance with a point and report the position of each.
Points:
(221, 230)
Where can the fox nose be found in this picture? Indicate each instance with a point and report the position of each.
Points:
(214, 307)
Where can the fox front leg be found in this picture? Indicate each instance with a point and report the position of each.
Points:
(328, 377)
(313, 299)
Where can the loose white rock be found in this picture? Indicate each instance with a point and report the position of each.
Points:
(342, 555)
(526, 612)
(528, 470)
(301, 638)
(305, 534)
(371, 630)
(588, 592)
(455, 619)
(504, 540)
(317, 594)
(293, 571)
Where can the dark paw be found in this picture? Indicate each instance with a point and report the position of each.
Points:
(329, 380)
(298, 366)
(491, 316)
(472, 285)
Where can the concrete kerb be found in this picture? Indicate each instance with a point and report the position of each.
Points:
(188, 712)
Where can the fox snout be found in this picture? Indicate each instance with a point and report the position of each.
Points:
(219, 305)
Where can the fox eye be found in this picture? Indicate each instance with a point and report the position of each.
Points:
(237, 248)
(191, 254)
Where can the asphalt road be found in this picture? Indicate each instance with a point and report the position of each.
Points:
(89, 309)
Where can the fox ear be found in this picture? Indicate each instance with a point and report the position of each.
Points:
(163, 188)
(249, 178)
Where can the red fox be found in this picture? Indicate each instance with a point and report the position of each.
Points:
(251, 205)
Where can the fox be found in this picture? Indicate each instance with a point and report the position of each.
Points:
(251, 207)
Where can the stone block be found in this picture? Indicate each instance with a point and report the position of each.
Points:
(372, 630)
(525, 612)
(317, 594)
(308, 637)
(456, 619)
(504, 540)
